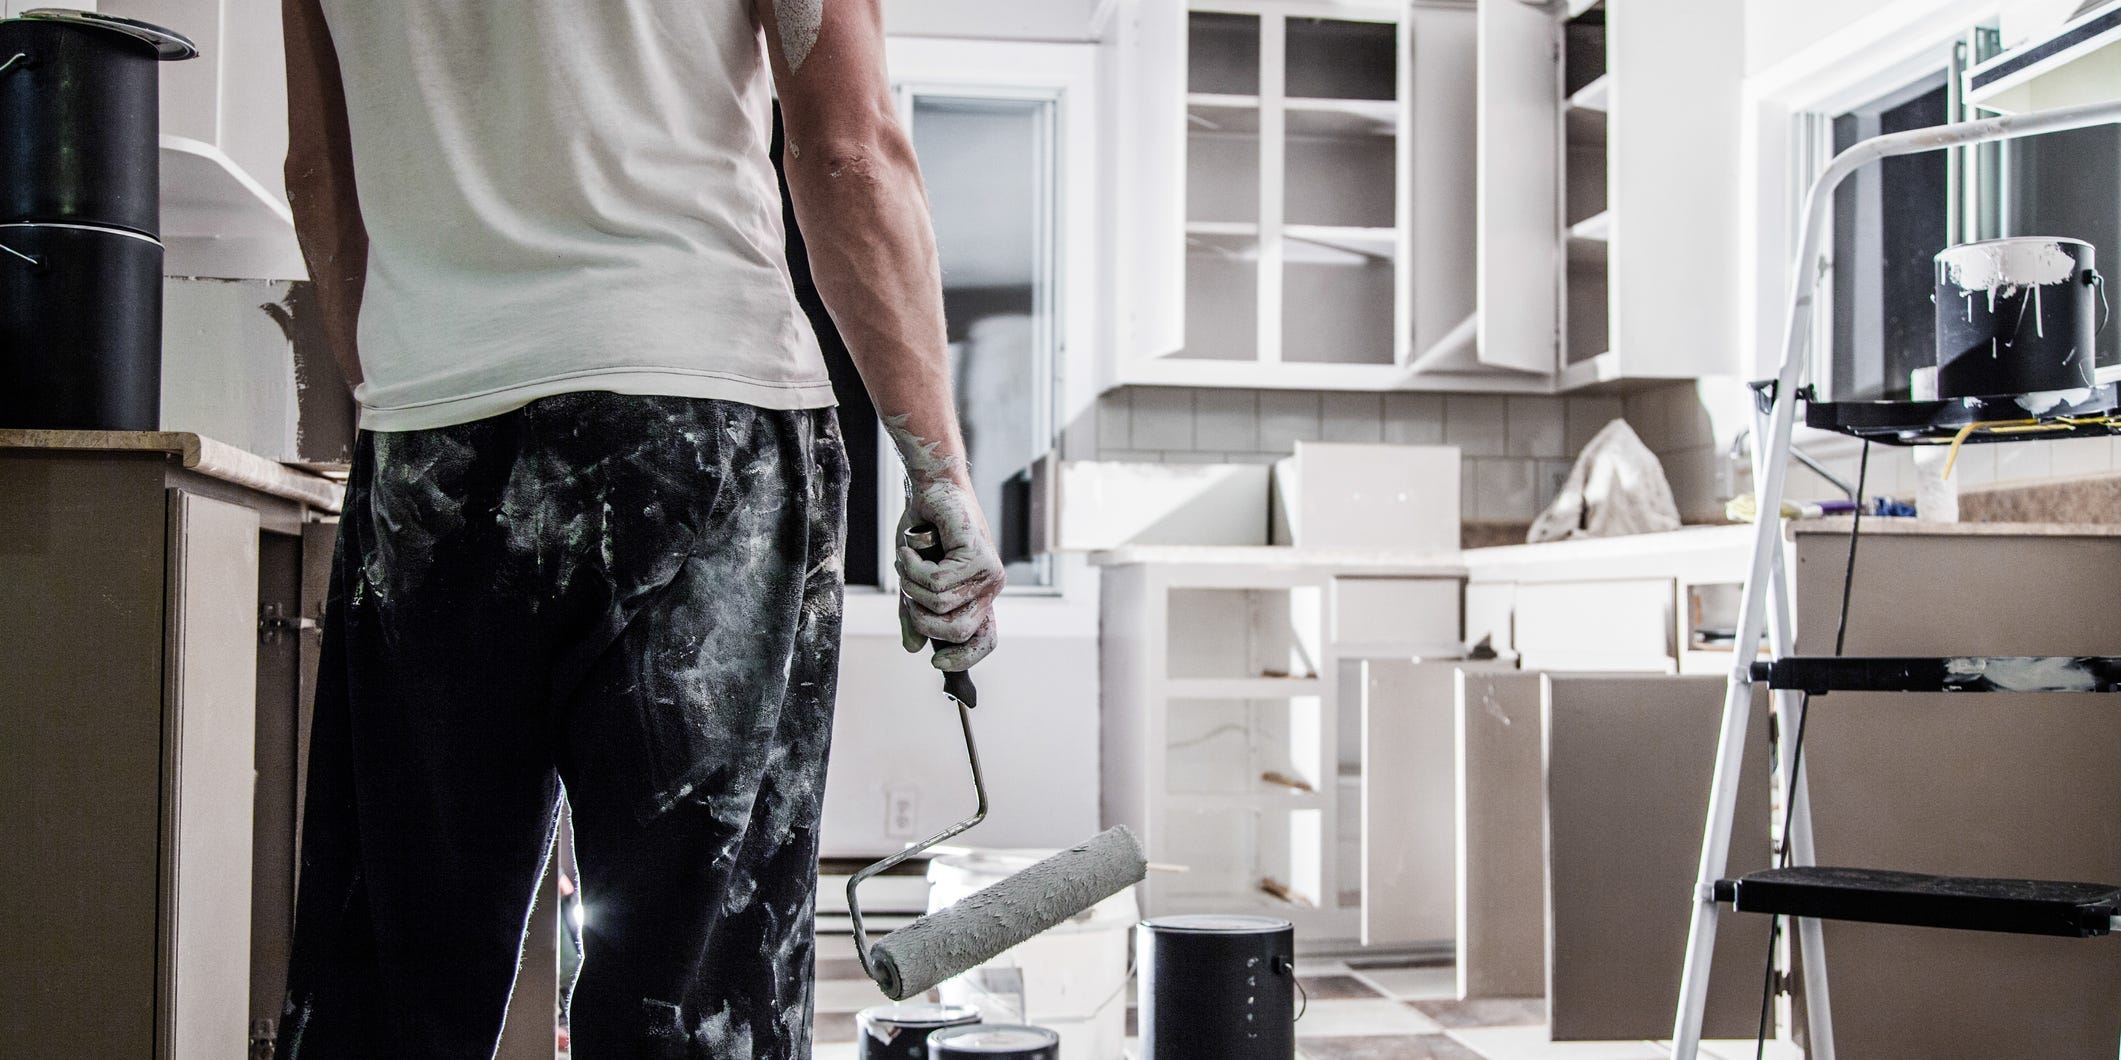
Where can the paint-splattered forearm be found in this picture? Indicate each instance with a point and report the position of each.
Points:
(856, 188)
(928, 460)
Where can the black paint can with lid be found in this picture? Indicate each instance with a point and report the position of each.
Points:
(1000, 1041)
(80, 220)
(2017, 316)
(900, 1031)
(1220, 986)
(80, 118)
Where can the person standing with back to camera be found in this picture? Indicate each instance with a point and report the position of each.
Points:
(592, 534)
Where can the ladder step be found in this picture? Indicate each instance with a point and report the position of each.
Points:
(1819, 675)
(1878, 896)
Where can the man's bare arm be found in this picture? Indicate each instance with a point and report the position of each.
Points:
(320, 179)
(864, 213)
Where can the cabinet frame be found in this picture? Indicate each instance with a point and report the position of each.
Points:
(1138, 691)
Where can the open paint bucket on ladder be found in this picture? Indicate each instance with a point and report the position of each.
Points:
(2016, 316)
(1071, 978)
(900, 1031)
(1220, 986)
(994, 1042)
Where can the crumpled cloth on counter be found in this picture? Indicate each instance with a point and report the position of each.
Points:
(1616, 488)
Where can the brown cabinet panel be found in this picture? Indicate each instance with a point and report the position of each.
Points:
(1989, 785)
(81, 596)
(1629, 761)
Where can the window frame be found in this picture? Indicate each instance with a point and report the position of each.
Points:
(1048, 299)
(1070, 70)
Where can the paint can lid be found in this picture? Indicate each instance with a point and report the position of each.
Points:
(169, 45)
(999, 1039)
(915, 1015)
(1219, 924)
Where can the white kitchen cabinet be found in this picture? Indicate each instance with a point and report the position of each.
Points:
(224, 138)
(1238, 725)
(1438, 195)
(1325, 204)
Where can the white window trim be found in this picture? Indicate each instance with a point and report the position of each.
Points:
(1847, 67)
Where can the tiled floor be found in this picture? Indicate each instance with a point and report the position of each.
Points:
(1404, 1012)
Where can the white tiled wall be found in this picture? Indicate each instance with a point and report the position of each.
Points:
(1518, 450)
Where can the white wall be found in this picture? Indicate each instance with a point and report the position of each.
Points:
(1037, 731)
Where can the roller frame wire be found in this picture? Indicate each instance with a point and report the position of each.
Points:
(979, 813)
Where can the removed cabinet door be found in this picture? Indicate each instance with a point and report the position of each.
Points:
(1628, 769)
(1409, 785)
(1502, 821)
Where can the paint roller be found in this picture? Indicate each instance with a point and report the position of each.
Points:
(981, 925)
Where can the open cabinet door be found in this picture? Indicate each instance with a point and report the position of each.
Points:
(1676, 65)
(1143, 118)
(1437, 72)
(1517, 212)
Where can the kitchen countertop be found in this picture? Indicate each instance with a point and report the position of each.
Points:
(1641, 555)
(1723, 548)
(1685, 550)
(1438, 564)
(1840, 525)
(204, 455)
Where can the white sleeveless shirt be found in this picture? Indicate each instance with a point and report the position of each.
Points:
(566, 195)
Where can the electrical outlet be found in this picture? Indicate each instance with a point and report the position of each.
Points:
(902, 803)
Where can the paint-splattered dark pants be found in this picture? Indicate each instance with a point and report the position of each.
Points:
(637, 597)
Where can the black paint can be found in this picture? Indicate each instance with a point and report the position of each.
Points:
(1000, 1041)
(80, 118)
(80, 328)
(1220, 986)
(900, 1031)
(2016, 316)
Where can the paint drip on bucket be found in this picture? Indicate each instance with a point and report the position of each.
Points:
(2017, 317)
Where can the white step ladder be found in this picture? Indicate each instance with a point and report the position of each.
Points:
(1801, 891)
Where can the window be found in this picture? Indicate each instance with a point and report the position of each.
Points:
(1889, 222)
(989, 162)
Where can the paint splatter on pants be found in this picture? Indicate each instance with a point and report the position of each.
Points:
(638, 597)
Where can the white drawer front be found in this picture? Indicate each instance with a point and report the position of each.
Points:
(1603, 626)
(1410, 615)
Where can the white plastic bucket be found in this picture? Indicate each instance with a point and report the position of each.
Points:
(1071, 979)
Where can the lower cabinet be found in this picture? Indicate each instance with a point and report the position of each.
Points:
(1242, 710)
(150, 633)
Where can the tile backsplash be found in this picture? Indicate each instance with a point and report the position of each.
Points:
(1517, 450)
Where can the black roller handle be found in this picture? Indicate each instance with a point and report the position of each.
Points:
(928, 545)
